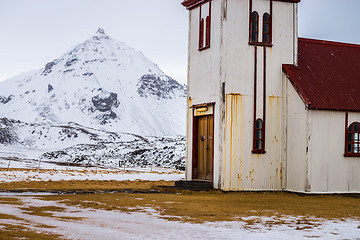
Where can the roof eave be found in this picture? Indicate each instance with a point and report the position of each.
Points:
(190, 4)
(302, 95)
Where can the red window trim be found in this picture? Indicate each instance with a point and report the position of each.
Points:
(269, 32)
(347, 142)
(251, 27)
(261, 139)
(262, 43)
(204, 26)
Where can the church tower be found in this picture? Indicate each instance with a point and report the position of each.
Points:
(235, 133)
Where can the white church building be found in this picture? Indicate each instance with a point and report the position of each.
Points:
(268, 110)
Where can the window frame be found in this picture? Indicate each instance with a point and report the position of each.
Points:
(204, 28)
(259, 136)
(251, 27)
(262, 43)
(351, 130)
(269, 28)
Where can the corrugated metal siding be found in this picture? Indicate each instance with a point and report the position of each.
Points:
(330, 170)
(243, 170)
(327, 76)
(296, 155)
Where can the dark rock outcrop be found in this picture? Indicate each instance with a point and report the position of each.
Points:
(162, 88)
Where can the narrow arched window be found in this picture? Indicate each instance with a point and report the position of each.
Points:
(259, 135)
(204, 25)
(254, 27)
(353, 141)
(266, 28)
(207, 35)
(201, 34)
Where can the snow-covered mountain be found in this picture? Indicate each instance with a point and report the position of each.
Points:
(101, 83)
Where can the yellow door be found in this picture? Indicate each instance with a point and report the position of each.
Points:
(204, 157)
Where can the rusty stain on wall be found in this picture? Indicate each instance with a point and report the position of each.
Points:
(234, 136)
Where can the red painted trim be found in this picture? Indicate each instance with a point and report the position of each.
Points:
(289, 1)
(271, 19)
(261, 44)
(208, 27)
(255, 86)
(191, 4)
(346, 132)
(194, 144)
(257, 27)
(258, 151)
(352, 155)
(264, 102)
(204, 27)
(195, 140)
(353, 142)
(213, 148)
(302, 94)
(250, 11)
(202, 105)
(201, 32)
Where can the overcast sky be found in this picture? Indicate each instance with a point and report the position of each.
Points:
(34, 32)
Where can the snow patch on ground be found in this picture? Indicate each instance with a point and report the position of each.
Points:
(131, 174)
(101, 224)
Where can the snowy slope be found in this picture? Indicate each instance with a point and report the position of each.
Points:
(102, 83)
(72, 143)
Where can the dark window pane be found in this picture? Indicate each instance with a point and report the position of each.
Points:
(266, 38)
(258, 145)
(349, 148)
(254, 27)
(266, 17)
(266, 28)
(350, 137)
(351, 128)
(254, 37)
(356, 137)
(258, 134)
(259, 123)
(254, 17)
(356, 127)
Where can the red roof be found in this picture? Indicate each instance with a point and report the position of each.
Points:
(328, 75)
(190, 4)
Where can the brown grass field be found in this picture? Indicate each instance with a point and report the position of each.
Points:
(176, 205)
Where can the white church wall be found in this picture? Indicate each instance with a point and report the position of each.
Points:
(204, 81)
(241, 169)
(296, 140)
(331, 172)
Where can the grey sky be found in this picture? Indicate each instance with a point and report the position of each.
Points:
(34, 32)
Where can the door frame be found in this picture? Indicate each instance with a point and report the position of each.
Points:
(195, 140)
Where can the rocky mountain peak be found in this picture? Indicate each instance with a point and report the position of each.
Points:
(100, 34)
(99, 83)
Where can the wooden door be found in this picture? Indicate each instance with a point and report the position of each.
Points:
(203, 164)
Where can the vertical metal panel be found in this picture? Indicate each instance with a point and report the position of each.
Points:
(243, 170)
(296, 143)
(331, 171)
(203, 78)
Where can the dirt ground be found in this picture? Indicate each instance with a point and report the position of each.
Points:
(177, 205)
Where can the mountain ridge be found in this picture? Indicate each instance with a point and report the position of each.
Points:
(100, 83)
